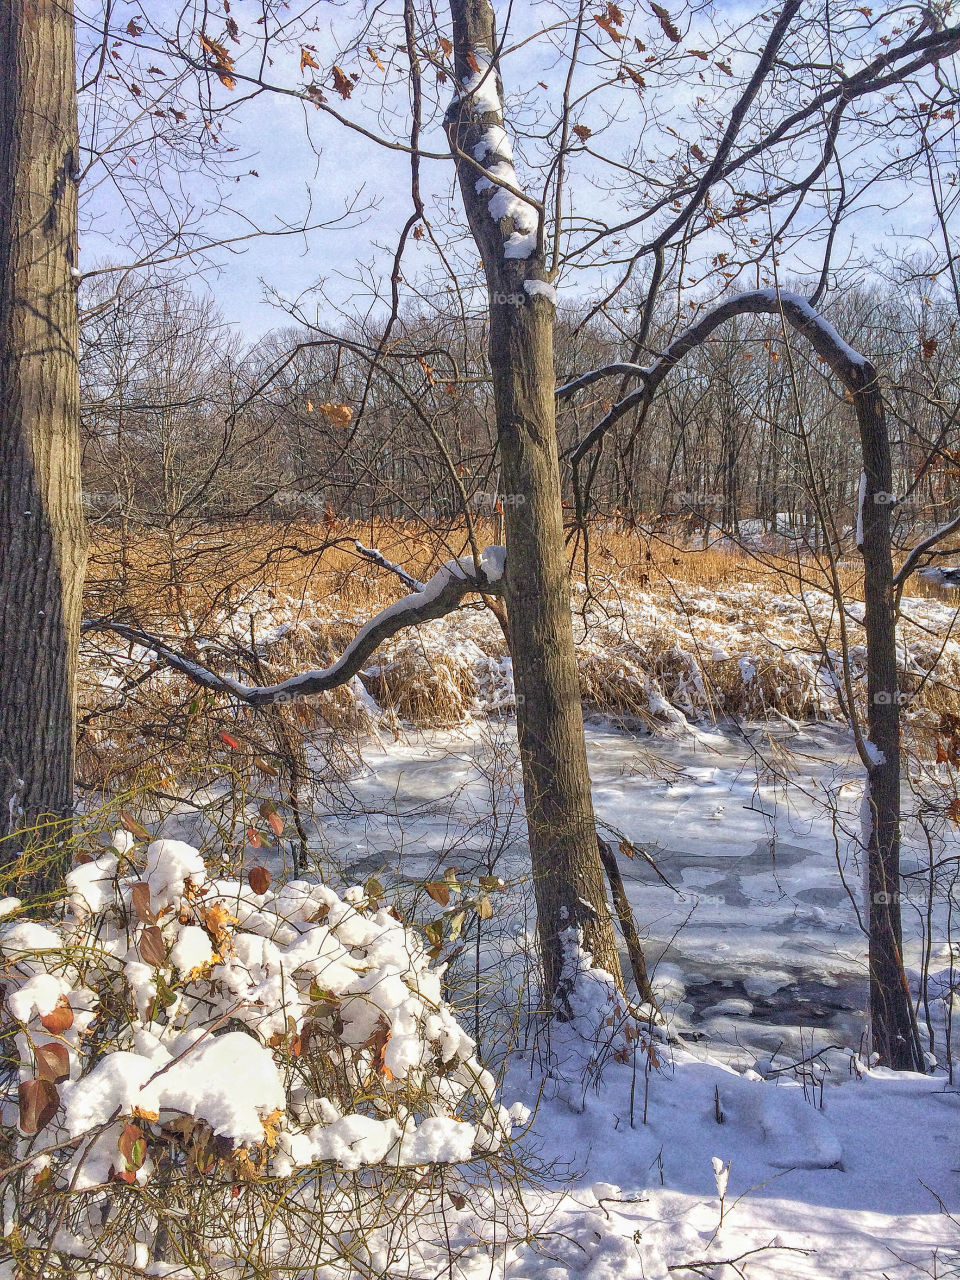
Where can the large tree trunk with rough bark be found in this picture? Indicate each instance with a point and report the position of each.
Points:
(42, 537)
(567, 872)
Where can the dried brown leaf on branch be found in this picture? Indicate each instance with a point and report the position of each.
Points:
(151, 946)
(308, 60)
(59, 1019)
(342, 83)
(339, 415)
(258, 879)
(140, 901)
(609, 21)
(53, 1061)
(663, 17)
(39, 1101)
(222, 61)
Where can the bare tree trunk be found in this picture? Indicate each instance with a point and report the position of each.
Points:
(893, 1024)
(567, 872)
(42, 536)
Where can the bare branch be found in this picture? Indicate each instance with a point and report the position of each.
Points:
(847, 364)
(923, 548)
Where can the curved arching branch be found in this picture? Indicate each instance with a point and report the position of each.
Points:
(436, 598)
(893, 1021)
(853, 369)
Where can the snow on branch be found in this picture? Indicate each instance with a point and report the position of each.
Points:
(852, 368)
(433, 599)
(922, 549)
(371, 553)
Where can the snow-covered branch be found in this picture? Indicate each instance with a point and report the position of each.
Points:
(852, 368)
(371, 553)
(434, 599)
(922, 548)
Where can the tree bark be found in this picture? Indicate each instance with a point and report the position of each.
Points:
(893, 1023)
(42, 534)
(566, 867)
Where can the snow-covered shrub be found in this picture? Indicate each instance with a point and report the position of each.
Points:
(201, 1066)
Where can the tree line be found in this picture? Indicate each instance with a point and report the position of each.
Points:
(184, 420)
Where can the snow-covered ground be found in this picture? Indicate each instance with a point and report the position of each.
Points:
(843, 1191)
(748, 910)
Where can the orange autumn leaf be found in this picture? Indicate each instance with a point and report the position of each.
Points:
(339, 415)
(342, 83)
(59, 1019)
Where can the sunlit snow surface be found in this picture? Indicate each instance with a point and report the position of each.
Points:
(756, 943)
(756, 947)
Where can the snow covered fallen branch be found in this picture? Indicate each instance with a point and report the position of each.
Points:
(433, 599)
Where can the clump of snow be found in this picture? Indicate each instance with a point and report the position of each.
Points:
(192, 949)
(541, 288)
(295, 1026)
(170, 865)
(493, 562)
(481, 94)
(595, 1023)
(481, 86)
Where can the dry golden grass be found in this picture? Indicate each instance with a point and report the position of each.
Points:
(661, 626)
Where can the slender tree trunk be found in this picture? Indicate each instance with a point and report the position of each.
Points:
(42, 538)
(893, 1023)
(567, 872)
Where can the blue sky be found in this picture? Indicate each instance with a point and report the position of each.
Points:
(293, 177)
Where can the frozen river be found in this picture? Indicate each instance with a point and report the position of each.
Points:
(747, 896)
